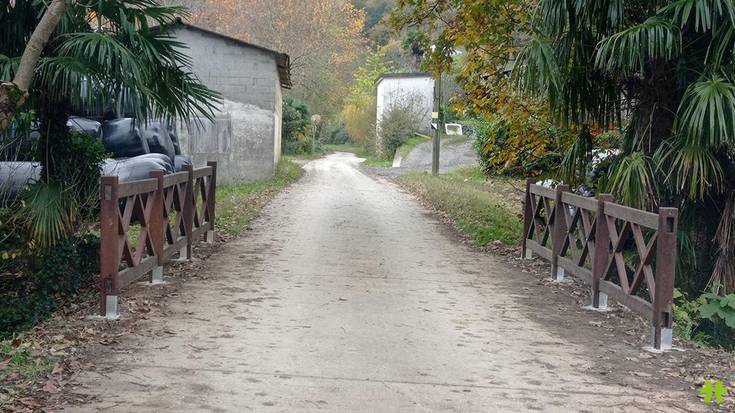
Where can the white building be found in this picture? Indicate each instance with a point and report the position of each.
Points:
(400, 88)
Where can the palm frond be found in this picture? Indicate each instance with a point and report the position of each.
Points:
(694, 169)
(632, 49)
(632, 181)
(706, 115)
(48, 212)
(702, 14)
(577, 158)
(8, 66)
(536, 69)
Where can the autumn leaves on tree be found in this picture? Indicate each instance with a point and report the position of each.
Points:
(323, 38)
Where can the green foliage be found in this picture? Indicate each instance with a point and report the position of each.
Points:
(67, 194)
(31, 292)
(719, 307)
(398, 123)
(413, 142)
(632, 181)
(358, 112)
(23, 362)
(49, 213)
(482, 215)
(418, 42)
(296, 122)
(518, 139)
(687, 318)
(128, 47)
(631, 50)
(337, 133)
(577, 158)
(359, 115)
(719, 313)
(76, 164)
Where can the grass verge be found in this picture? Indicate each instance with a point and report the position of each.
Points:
(239, 204)
(455, 139)
(412, 143)
(479, 209)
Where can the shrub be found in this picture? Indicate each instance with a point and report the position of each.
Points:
(295, 124)
(519, 137)
(31, 293)
(337, 133)
(359, 117)
(67, 194)
(719, 313)
(399, 123)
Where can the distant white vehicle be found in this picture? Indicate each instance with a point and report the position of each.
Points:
(453, 129)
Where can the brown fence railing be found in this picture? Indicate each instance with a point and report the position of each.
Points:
(624, 253)
(145, 223)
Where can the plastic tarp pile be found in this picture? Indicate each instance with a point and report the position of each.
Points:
(139, 150)
(136, 151)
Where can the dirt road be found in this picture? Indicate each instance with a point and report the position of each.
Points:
(348, 296)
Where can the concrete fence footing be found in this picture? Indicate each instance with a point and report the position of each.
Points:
(157, 275)
(112, 307)
(528, 254)
(667, 339)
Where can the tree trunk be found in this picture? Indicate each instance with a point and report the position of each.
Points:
(14, 94)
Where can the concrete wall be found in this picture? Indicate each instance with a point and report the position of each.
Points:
(396, 90)
(246, 136)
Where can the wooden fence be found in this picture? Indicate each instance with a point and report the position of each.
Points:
(622, 252)
(166, 213)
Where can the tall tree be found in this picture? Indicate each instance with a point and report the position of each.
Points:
(323, 37)
(14, 94)
(81, 57)
(663, 71)
(486, 32)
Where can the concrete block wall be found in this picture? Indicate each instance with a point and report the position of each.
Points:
(245, 138)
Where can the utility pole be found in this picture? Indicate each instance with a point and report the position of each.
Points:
(436, 117)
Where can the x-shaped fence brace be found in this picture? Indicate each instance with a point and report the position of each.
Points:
(169, 212)
(591, 238)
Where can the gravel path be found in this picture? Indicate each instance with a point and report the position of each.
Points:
(452, 154)
(348, 296)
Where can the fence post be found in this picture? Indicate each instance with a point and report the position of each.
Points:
(188, 211)
(109, 247)
(527, 220)
(663, 297)
(157, 227)
(559, 231)
(211, 201)
(602, 247)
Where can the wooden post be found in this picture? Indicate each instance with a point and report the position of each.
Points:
(663, 297)
(527, 218)
(109, 246)
(157, 227)
(188, 211)
(211, 201)
(602, 247)
(559, 231)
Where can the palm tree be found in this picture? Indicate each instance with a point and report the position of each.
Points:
(81, 56)
(663, 71)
